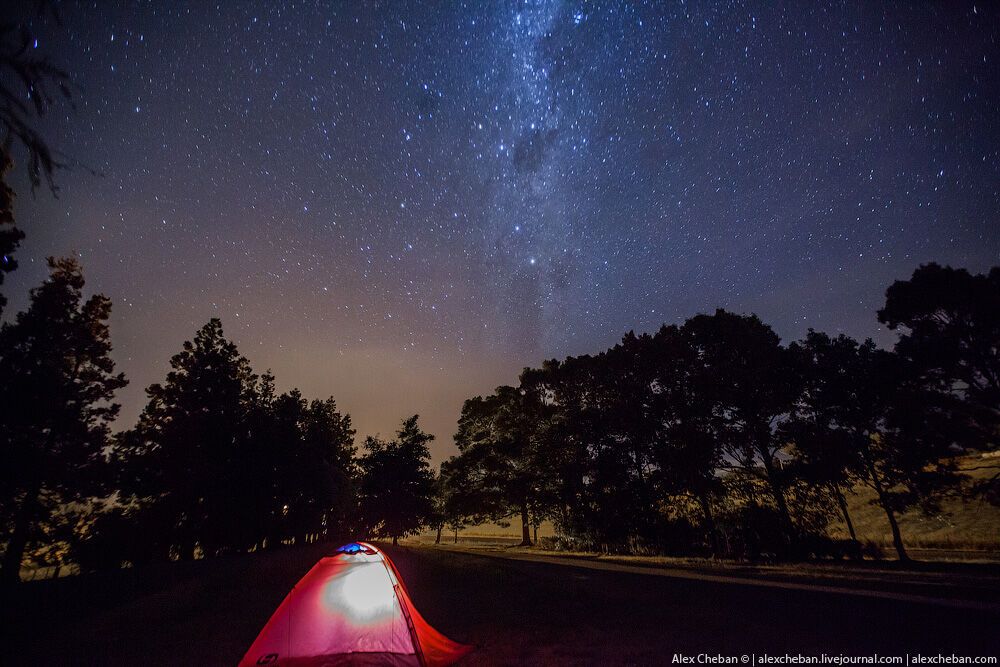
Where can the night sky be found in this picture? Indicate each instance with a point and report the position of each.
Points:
(404, 204)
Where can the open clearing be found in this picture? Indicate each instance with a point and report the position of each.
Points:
(518, 608)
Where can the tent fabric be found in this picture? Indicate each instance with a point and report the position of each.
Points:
(351, 609)
(436, 649)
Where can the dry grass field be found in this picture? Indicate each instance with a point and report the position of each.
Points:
(964, 528)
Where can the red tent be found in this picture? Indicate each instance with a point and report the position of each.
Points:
(351, 609)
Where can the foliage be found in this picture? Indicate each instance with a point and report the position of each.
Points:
(498, 472)
(218, 462)
(707, 437)
(397, 483)
(10, 236)
(55, 406)
(712, 436)
(949, 322)
(745, 377)
(31, 85)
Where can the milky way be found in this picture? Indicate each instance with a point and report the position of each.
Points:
(404, 204)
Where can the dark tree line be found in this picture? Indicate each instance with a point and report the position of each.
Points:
(712, 437)
(219, 461)
(707, 437)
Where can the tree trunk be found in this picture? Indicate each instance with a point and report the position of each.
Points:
(395, 540)
(843, 509)
(535, 528)
(778, 492)
(456, 536)
(437, 540)
(883, 499)
(10, 569)
(713, 536)
(525, 526)
(897, 537)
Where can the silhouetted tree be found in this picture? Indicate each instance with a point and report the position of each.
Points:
(843, 404)
(744, 374)
(860, 418)
(219, 462)
(448, 511)
(565, 442)
(307, 453)
(10, 236)
(55, 405)
(327, 482)
(451, 503)
(397, 483)
(686, 447)
(950, 333)
(706, 419)
(482, 470)
(497, 440)
(185, 455)
(436, 520)
(30, 84)
(623, 388)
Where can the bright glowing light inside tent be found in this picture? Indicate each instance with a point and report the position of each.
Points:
(364, 593)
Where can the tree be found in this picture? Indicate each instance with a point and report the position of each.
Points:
(686, 448)
(564, 441)
(296, 467)
(950, 334)
(185, 456)
(436, 520)
(327, 472)
(31, 85)
(915, 454)
(622, 431)
(862, 418)
(452, 506)
(592, 447)
(10, 236)
(845, 392)
(219, 462)
(55, 405)
(397, 483)
(743, 373)
(496, 439)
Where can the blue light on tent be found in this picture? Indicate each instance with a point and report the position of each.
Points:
(351, 548)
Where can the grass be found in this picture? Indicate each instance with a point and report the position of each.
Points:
(963, 530)
(962, 525)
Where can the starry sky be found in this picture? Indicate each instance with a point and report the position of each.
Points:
(403, 204)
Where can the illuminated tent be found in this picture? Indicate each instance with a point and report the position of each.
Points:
(350, 609)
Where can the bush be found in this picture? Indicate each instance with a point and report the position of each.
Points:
(753, 533)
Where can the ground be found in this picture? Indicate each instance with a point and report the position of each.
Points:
(963, 529)
(963, 524)
(518, 607)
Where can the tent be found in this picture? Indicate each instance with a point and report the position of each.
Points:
(350, 609)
